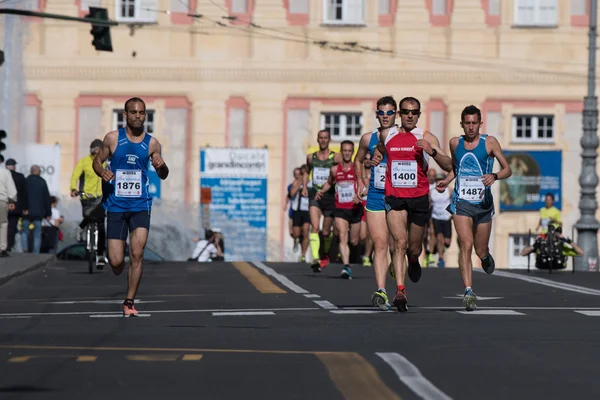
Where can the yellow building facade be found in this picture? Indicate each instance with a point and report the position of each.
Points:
(255, 73)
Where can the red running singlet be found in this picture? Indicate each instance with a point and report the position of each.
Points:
(345, 187)
(407, 165)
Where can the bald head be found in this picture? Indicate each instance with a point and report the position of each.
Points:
(431, 173)
(35, 170)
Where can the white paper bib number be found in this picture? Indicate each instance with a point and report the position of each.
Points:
(320, 175)
(379, 176)
(404, 174)
(345, 192)
(128, 183)
(472, 188)
(303, 203)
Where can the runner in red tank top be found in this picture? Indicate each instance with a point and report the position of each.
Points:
(348, 205)
(408, 149)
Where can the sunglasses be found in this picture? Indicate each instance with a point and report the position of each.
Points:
(404, 111)
(389, 113)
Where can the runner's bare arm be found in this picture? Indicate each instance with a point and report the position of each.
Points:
(494, 149)
(337, 158)
(295, 187)
(156, 158)
(103, 154)
(306, 175)
(443, 184)
(431, 146)
(359, 159)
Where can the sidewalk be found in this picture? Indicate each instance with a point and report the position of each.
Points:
(21, 263)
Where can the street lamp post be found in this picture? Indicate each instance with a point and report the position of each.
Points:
(587, 226)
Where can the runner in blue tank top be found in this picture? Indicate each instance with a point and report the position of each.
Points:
(376, 224)
(472, 203)
(125, 193)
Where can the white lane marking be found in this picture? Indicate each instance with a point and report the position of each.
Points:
(547, 282)
(491, 312)
(460, 296)
(16, 317)
(325, 304)
(282, 279)
(312, 296)
(221, 314)
(590, 313)
(356, 311)
(41, 314)
(120, 315)
(102, 302)
(410, 375)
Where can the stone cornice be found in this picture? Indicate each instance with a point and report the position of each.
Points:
(355, 76)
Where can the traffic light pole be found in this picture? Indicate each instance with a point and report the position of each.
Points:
(28, 13)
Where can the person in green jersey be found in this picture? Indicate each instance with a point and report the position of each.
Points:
(319, 165)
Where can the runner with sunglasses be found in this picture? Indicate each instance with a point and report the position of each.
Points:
(387, 109)
(408, 149)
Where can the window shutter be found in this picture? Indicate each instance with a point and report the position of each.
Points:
(354, 11)
(494, 7)
(547, 12)
(439, 7)
(525, 12)
(298, 7)
(146, 11)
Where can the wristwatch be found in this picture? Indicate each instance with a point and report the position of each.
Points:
(434, 153)
(495, 176)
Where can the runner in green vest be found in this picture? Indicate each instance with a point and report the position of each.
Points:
(319, 165)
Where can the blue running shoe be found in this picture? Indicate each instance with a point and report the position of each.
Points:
(488, 264)
(346, 273)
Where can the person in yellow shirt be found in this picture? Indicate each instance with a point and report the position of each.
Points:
(85, 180)
(549, 215)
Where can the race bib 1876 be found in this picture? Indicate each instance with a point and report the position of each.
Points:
(128, 183)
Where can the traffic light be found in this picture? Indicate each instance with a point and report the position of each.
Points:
(101, 33)
(2, 143)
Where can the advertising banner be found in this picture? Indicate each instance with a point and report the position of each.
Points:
(47, 156)
(233, 191)
(534, 174)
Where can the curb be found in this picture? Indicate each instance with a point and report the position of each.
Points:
(34, 267)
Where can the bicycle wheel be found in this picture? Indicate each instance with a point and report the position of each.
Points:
(91, 248)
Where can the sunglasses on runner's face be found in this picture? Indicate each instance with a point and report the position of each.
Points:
(404, 111)
(389, 113)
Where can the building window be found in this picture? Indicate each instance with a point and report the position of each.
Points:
(119, 120)
(344, 12)
(342, 126)
(516, 243)
(533, 128)
(136, 11)
(536, 12)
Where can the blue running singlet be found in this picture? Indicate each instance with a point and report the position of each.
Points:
(469, 169)
(128, 191)
(376, 197)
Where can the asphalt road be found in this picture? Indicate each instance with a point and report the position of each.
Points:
(278, 331)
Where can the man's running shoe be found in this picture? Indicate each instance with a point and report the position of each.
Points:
(488, 264)
(469, 300)
(441, 263)
(129, 309)
(346, 273)
(380, 299)
(302, 259)
(100, 262)
(367, 261)
(414, 270)
(400, 301)
(316, 267)
(324, 261)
